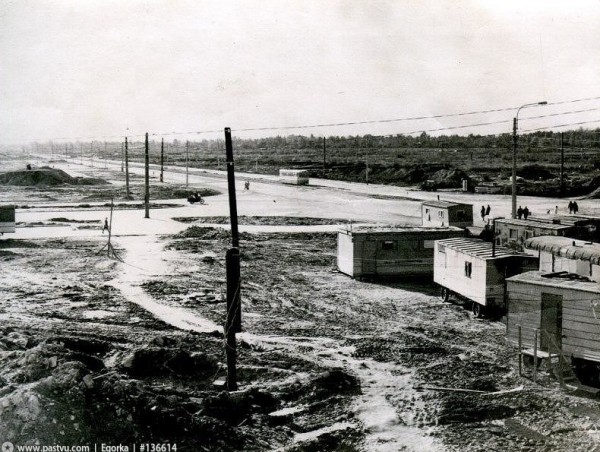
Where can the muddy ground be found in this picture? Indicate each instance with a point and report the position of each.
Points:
(97, 350)
(325, 362)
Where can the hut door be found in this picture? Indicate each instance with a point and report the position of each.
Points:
(551, 322)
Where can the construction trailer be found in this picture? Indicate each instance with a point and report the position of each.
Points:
(474, 270)
(439, 214)
(368, 252)
(556, 316)
(563, 254)
(7, 219)
(294, 176)
(513, 232)
(584, 227)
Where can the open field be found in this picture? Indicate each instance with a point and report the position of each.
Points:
(96, 350)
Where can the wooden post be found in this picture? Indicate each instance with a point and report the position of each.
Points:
(367, 167)
(562, 163)
(234, 308)
(127, 194)
(147, 179)
(122, 157)
(535, 347)
(520, 350)
(162, 158)
(324, 157)
(187, 163)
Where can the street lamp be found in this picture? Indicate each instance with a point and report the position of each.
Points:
(514, 156)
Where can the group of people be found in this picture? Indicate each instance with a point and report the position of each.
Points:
(573, 207)
(522, 213)
(485, 211)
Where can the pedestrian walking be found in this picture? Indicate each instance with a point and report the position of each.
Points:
(555, 210)
(575, 207)
(570, 206)
(482, 212)
(519, 212)
(105, 227)
(488, 210)
(525, 212)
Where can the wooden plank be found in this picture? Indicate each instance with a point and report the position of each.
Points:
(575, 343)
(578, 334)
(588, 327)
(580, 318)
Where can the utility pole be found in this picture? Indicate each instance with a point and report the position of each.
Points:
(147, 179)
(367, 167)
(187, 162)
(562, 163)
(127, 194)
(324, 157)
(122, 157)
(232, 260)
(162, 158)
(514, 170)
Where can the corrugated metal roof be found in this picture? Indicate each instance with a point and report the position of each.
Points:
(533, 223)
(478, 248)
(444, 204)
(399, 229)
(566, 247)
(537, 278)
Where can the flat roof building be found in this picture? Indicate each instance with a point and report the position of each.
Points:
(446, 213)
(389, 251)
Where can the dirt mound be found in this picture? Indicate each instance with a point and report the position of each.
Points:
(449, 178)
(534, 172)
(45, 177)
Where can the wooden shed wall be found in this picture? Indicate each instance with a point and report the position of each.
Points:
(580, 317)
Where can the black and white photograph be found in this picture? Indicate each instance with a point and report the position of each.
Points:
(299, 225)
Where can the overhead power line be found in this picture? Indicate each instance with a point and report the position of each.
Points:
(349, 123)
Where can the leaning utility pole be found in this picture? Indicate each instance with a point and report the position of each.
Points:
(232, 259)
(127, 194)
(147, 179)
(162, 158)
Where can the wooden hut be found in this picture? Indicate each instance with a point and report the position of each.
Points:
(475, 270)
(563, 254)
(446, 213)
(389, 252)
(513, 232)
(556, 314)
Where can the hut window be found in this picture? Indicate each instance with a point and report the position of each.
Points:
(512, 233)
(441, 214)
(468, 269)
(441, 248)
(388, 245)
(528, 234)
(426, 210)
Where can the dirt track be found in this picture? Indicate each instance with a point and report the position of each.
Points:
(326, 362)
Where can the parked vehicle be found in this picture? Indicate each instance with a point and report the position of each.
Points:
(196, 198)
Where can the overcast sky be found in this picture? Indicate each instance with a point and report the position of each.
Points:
(91, 68)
